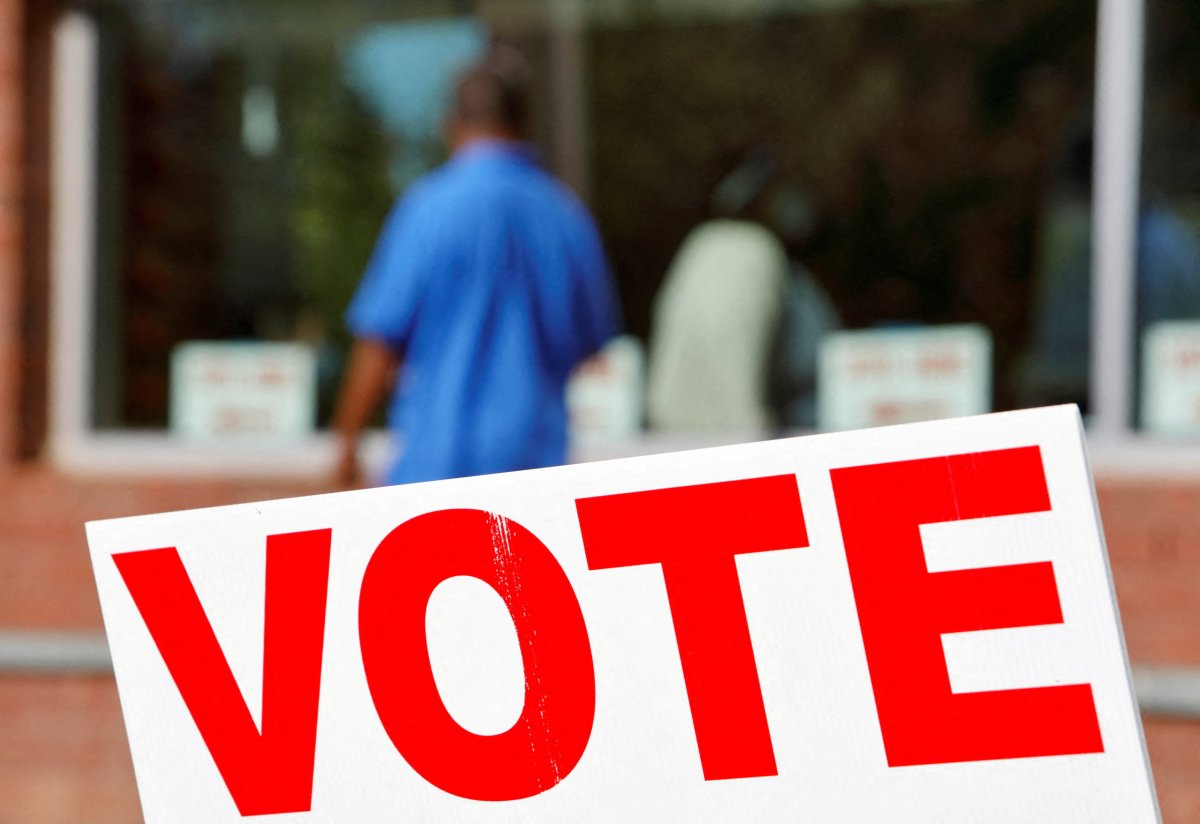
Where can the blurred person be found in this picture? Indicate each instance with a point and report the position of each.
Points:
(1056, 367)
(737, 325)
(487, 287)
(809, 313)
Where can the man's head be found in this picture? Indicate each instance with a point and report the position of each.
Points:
(491, 100)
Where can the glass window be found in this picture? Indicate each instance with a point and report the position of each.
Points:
(923, 163)
(1168, 227)
(247, 155)
(921, 160)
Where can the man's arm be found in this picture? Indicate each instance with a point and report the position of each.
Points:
(369, 371)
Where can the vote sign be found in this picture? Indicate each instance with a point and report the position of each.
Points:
(907, 624)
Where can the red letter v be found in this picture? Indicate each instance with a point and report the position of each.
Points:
(271, 771)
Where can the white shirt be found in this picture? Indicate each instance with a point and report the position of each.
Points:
(716, 318)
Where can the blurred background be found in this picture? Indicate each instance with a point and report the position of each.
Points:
(995, 204)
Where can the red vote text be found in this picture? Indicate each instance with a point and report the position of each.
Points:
(693, 535)
(903, 610)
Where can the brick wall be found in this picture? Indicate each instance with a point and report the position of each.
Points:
(65, 758)
(44, 570)
(12, 27)
(1153, 532)
(63, 753)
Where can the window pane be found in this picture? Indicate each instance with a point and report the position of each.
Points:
(249, 152)
(1168, 250)
(925, 161)
(921, 161)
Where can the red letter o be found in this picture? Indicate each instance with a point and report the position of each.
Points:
(549, 738)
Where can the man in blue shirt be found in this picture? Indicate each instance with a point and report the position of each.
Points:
(487, 287)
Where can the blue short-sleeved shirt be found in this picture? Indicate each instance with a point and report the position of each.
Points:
(489, 280)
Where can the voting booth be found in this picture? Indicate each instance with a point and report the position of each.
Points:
(606, 394)
(903, 374)
(1171, 378)
(905, 624)
(243, 391)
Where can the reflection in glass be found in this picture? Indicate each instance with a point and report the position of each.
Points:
(249, 151)
(1168, 282)
(248, 154)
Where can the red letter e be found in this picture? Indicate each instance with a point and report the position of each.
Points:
(904, 609)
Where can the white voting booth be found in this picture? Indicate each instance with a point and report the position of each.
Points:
(877, 377)
(243, 390)
(905, 624)
(605, 395)
(1171, 378)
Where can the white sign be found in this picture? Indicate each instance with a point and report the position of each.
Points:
(886, 376)
(907, 624)
(243, 390)
(1171, 378)
(605, 395)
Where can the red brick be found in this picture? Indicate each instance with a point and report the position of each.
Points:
(1152, 529)
(1175, 759)
(66, 758)
(45, 572)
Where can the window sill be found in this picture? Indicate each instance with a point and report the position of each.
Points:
(150, 454)
(159, 454)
